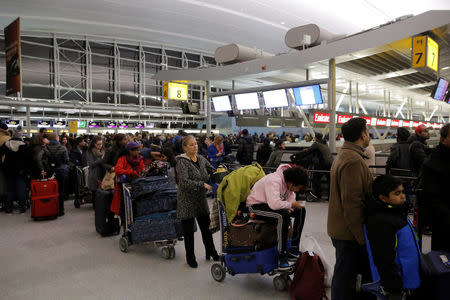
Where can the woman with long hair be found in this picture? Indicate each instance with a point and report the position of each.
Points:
(93, 158)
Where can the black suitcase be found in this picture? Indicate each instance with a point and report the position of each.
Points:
(436, 266)
(105, 222)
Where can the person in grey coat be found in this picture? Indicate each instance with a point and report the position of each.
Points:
(193, 172)
(93, 158)
(275, 157)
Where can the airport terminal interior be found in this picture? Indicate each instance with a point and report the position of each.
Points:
(251, 88)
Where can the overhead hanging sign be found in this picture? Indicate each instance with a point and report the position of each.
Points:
(73, 126)
(59, 124)
(424, 53)
(175, 91)
(13, 59)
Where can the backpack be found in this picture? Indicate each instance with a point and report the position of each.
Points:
(53, 161)
(308, 282)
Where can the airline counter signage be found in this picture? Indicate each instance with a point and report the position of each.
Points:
(323, 118)
(415, 124)
(341, 119)
(395, 123)
(406, 123)
(381, 122)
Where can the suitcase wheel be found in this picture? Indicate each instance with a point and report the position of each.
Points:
(76, 203)
(280, 283)
(123, 244)
(218, 272)
(168, 252)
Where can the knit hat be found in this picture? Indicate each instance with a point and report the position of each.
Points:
(3, 126)
(132, 145)
(420, 128)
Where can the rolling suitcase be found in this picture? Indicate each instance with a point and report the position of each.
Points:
(44, 198)
(105, 221)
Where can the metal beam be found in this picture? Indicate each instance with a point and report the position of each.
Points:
(332, 102)
(208, 108)
(116, 74)
(299, 59)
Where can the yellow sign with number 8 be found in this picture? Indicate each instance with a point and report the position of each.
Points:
(177, 91)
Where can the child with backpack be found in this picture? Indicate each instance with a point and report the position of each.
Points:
(394, 253)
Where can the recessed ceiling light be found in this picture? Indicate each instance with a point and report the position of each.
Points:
(445, 68)
(282, 23)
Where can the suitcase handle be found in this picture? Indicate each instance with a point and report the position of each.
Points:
(46, 200)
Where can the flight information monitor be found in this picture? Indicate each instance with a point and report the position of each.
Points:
(441, 89)
(247, 101)
(276, 98)
(307, 95)
(221, 103)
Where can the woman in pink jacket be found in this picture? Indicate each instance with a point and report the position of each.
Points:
(272, 199)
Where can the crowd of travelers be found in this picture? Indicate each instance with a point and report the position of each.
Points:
(363, 210)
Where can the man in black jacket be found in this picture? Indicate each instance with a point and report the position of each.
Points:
(246, 147)
(418, 148)
(435, 180)
(53, 159)
(399, 158)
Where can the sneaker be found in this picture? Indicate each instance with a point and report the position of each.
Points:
(293, 253)
(283, 263)
(312, 197)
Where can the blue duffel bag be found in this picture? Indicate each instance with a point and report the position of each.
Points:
(261, 262)
(159, 201)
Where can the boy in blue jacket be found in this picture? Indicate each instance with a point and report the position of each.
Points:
(391, 241)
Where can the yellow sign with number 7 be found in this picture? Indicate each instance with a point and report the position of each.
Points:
(425, 53)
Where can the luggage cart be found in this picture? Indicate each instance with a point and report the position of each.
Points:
(161, 229)
(239, 260)
(82, 195)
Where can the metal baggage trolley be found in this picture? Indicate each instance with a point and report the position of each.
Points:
(240, 260)
(161, 229)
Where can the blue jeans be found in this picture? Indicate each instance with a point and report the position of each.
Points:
(351, 260)
(16, 191)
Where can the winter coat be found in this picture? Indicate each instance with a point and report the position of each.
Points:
(191, 190)
(235, 187)
(435, 178)
(4, 137)
(272, 190)
(321, 155)
(112, 155)
(274, 159)
(123, 167)
(96, 169)
(212, 155)
(391, 254)
(263, 154)
(53, 152)
(419, 150)
(399, 158)
(18, 158)
(350, 186)
(76, 156)
(245, 151)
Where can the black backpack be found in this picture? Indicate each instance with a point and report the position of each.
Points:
(53, 161)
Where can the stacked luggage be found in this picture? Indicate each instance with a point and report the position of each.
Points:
(150, 214)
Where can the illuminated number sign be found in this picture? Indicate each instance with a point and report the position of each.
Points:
(425, 53)
(82, 124)
(432, 54)
(175, 91)
(73, 126)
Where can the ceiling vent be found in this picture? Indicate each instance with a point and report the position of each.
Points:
(234, 53)
(308, 36)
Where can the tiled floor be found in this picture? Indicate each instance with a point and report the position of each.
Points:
(66, 259)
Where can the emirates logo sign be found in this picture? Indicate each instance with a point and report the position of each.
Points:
(321, 118)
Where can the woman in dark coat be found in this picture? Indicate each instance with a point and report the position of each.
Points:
(264, 151)
(116, 151)
(193, 172)
(93, 158)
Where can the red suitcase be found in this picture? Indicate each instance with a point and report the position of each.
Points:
(44, 198)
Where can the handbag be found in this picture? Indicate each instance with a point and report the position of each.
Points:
(214, 225)
(108, 181)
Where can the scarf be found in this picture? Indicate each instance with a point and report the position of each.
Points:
(219, 148)
(98, 153)
(134, 162)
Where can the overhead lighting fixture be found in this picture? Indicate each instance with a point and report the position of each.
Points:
(445, 68)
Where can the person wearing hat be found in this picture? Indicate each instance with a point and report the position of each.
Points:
(54, 160)
(132, 164)
(418, 148)
(17, 165)
(4, 137)
(128, 167)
